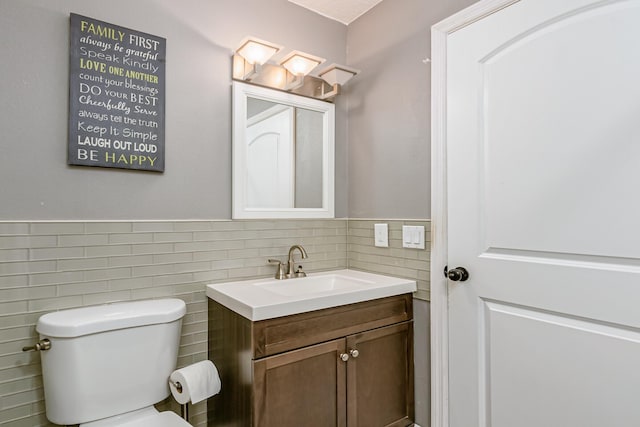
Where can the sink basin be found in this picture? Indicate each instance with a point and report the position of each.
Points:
(311, 285)
(262, 299)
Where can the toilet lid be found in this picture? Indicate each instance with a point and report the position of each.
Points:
(145, 418)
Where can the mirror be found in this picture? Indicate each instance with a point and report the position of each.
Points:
(283, 154)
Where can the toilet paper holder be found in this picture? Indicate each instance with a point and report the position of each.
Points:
(194, 383)
(184, 408)
(176, 384)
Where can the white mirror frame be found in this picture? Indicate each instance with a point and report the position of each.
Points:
(242, 91)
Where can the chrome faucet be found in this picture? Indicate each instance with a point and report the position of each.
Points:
(290, 272)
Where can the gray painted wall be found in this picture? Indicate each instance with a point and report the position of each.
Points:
(390, 108)
(35, 181)
(382, 138)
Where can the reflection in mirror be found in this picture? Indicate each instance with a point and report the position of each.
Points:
(283, 155)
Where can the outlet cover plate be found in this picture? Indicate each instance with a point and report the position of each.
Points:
(381, 235)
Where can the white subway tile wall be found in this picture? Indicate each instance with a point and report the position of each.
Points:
(47, 266)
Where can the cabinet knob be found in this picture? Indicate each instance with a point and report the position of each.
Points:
(344, 357)
(354, 353)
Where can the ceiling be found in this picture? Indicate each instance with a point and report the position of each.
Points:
(345, 11)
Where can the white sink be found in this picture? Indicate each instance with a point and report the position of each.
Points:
(261, 299)
(312, 285)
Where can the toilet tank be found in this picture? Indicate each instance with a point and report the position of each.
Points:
(110, 359)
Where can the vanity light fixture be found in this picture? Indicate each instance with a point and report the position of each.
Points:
(299, 64)
(259, 62)
(336, 75)
(255, 52)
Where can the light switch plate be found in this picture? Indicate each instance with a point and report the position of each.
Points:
(413, 236)
(381, 235)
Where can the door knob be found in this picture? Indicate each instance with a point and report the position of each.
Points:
(354, 353)
(344, 357)
(458, 274)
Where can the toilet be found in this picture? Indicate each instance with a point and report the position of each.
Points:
(108, 365)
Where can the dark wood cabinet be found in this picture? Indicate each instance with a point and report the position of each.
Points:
(348, 366)
(380, 378)
(304, 387)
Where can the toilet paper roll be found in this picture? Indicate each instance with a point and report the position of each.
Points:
(199, 382)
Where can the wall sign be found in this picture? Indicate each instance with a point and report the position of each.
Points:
(116, 96)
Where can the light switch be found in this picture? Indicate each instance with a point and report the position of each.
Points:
(413, 236)
(381, 235)
(406, 236)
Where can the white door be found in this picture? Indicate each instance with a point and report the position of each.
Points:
(270, 159)
(543, 149)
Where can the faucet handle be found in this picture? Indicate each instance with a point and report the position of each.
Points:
(299, 272)
(280, 273)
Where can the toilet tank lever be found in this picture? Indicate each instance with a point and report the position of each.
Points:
(41, 345)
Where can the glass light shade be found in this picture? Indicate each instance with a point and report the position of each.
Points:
(337, 74)
(256, 51)
(300, 63)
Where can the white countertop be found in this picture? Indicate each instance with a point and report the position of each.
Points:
(266, 298)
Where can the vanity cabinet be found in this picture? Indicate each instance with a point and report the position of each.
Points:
(345, 366)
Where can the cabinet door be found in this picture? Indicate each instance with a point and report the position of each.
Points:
(380, 377)
(303, 387)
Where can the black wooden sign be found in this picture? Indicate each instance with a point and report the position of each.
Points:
(116, 96)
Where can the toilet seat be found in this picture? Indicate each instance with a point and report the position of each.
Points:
(146, 417)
